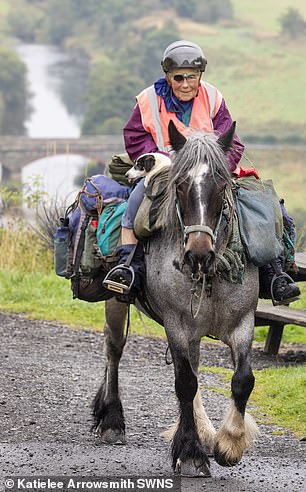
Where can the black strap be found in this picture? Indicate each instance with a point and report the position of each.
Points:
(78, 256)
(277, 269)
(131, 255)
(127, 323)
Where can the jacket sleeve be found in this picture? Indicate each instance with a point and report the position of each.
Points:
(137, 140)
(221, 123)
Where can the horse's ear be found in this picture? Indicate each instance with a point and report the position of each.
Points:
(226, 139)
(176, 138)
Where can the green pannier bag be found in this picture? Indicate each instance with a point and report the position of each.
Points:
(118, 166)
(260, 219)
(109, 227)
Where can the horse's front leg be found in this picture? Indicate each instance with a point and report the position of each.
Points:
(107, 406)
(238, 430)
(188, 454)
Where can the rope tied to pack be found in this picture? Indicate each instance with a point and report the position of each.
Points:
(97, 195)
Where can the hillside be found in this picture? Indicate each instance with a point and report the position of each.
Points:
(260, 72)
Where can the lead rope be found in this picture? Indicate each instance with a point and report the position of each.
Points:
(193, 294)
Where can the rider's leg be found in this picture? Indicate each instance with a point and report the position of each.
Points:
(122, 276)
(128, 236)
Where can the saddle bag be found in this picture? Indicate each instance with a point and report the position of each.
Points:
(260, 220)
(147, 220)
(118, 167)
(76, 253)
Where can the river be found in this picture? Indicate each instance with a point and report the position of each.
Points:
(52, 116)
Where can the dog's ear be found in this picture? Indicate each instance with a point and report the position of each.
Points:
(149, 162)
(146, 162)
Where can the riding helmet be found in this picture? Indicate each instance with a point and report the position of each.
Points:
(183, 54)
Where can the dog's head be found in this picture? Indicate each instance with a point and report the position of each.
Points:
(142, 167)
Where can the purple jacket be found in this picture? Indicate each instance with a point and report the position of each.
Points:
(138, 141)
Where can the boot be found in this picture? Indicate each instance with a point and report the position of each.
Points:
(126, 277)
(284, 290)
(277, 285)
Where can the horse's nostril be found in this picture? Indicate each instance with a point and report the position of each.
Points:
(207, 261)
(191, 260)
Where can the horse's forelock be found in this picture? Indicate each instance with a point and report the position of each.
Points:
(199, 149)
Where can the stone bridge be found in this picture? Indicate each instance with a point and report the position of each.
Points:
(16, 152)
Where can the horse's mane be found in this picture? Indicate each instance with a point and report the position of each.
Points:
(199, 148)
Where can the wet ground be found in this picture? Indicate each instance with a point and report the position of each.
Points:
(48, 377)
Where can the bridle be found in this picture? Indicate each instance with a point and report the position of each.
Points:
(186, 230)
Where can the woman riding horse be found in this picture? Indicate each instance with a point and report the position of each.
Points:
(182, 97)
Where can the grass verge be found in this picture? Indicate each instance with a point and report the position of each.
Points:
(278, 396)
(45, 296)
(48, 297)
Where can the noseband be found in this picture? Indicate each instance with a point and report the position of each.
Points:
(186, 230)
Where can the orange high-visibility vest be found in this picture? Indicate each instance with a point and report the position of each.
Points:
(155, 117)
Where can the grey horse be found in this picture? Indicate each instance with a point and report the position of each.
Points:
(181, 257)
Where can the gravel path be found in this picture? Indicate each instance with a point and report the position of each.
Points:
(49, 375)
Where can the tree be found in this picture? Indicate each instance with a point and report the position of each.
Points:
(143, 51)
(92, 168)
(59, 21)
(111, 96)
(293, 24)
(13, 93)
(25, 22)
(114, 85)
(209, 11)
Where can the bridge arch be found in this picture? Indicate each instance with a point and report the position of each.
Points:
(17, 152)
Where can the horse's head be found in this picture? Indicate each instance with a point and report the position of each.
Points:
(200, 175)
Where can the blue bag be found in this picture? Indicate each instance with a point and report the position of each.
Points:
(109, 227)
(99, 190)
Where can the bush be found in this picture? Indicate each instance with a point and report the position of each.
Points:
(293, 24)
(25, 22)
(24, 251)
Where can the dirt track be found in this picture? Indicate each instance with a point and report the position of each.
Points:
(49, 375)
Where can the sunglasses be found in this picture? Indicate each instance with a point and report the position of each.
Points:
(180, 77)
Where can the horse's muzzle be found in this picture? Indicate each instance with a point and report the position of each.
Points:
(199, 262)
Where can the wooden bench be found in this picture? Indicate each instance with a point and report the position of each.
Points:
(276, 317)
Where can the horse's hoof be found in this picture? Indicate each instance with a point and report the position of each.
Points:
(190, 470)
(224, 460)
(111, 436)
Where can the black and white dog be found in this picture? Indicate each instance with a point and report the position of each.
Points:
(147, 165)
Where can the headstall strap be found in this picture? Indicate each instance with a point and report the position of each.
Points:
(186, 230)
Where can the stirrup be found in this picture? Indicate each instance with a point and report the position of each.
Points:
(118, 287)
(284, 302)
